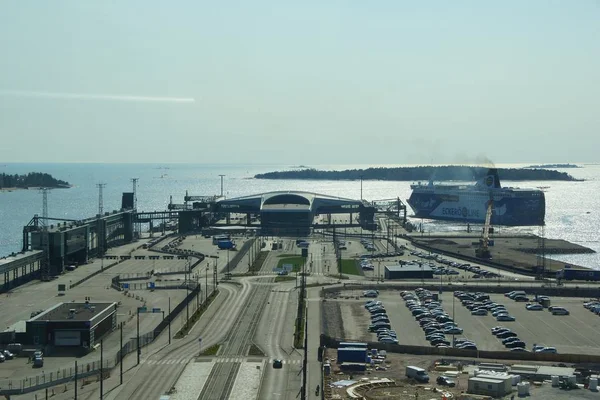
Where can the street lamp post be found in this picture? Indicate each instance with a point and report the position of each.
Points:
(453, 320)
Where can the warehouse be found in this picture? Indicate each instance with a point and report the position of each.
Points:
(408, 271)
(74, 325)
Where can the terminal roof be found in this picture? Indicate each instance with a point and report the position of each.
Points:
(62, 311)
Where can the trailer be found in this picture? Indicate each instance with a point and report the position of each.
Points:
(570, 274)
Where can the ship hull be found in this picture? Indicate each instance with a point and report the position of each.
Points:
(524, 208)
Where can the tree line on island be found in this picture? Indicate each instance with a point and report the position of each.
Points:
(421, 173)
(32, 179)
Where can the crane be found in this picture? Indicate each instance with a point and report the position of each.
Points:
(483, 250)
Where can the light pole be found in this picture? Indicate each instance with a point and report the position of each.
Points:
(453, 320)
(139, 350)
(361, 196)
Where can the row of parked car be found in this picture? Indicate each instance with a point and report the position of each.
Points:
(366, 265)
(480, 304)
(537, 303)
(380, 322)
(509, 338)
(593, 306)
(437, 270)
(369, 246)
(434, 321)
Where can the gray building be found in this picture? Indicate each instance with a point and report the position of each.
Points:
(72, 325)
(408, 271)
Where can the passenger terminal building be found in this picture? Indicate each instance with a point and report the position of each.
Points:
(72, 325)
(291, 213)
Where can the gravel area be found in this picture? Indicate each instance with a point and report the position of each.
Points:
(247, 382)
(192, 380)
(332, 319)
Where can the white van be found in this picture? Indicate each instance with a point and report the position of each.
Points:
(417, 373)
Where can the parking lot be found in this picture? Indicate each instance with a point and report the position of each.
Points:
(574, 333)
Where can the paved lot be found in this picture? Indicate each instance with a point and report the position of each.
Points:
(575, 333)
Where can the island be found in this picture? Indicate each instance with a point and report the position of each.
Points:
(31, 180)
(554, 166)
(420, 173)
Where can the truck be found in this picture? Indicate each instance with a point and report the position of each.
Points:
(225, 244)
(570, 274)
(418, 374)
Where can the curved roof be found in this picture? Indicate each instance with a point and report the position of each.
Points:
(288, 200)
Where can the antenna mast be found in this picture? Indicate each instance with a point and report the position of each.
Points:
(100, 187)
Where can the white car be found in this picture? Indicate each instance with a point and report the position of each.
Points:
(534, 307)
(546, 350)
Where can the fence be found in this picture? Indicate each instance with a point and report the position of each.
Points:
(65, 375)
(573, 290)
(330, 342)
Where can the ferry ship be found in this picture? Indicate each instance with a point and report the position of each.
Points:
(468, 203)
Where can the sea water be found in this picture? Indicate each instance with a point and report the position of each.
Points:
(572, 208)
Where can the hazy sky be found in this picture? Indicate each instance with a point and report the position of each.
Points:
(311, 82)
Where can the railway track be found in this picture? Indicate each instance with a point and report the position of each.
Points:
(237, 342)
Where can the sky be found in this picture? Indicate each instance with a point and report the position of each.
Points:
(311, 82)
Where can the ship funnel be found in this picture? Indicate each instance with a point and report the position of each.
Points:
(491, 179)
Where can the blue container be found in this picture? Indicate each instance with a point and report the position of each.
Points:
(352, 354)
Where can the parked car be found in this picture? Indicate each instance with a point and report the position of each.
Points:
(445, 381)
(547, 350)
(510, 339)
(453, 331)
(467, 346)
(38, 362)
(8, 355)
(480, 311)
(559, 311)
(505, 335)
(516, 343)
(505, 317)
(534, 307)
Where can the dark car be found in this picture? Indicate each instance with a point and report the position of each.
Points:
(467, 346)
(516, 343)
(505, 335)
(277, 364)
(437, 341)
(445, 381)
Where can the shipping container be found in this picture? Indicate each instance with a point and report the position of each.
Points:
(352, 354)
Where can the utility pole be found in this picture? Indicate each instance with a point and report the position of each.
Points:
(135, 225)
(101, 369)
(75, 379)
(361, 196)
(121, 357)
(169, 320)
(100, 187)
(221, 184)
(139, 349)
